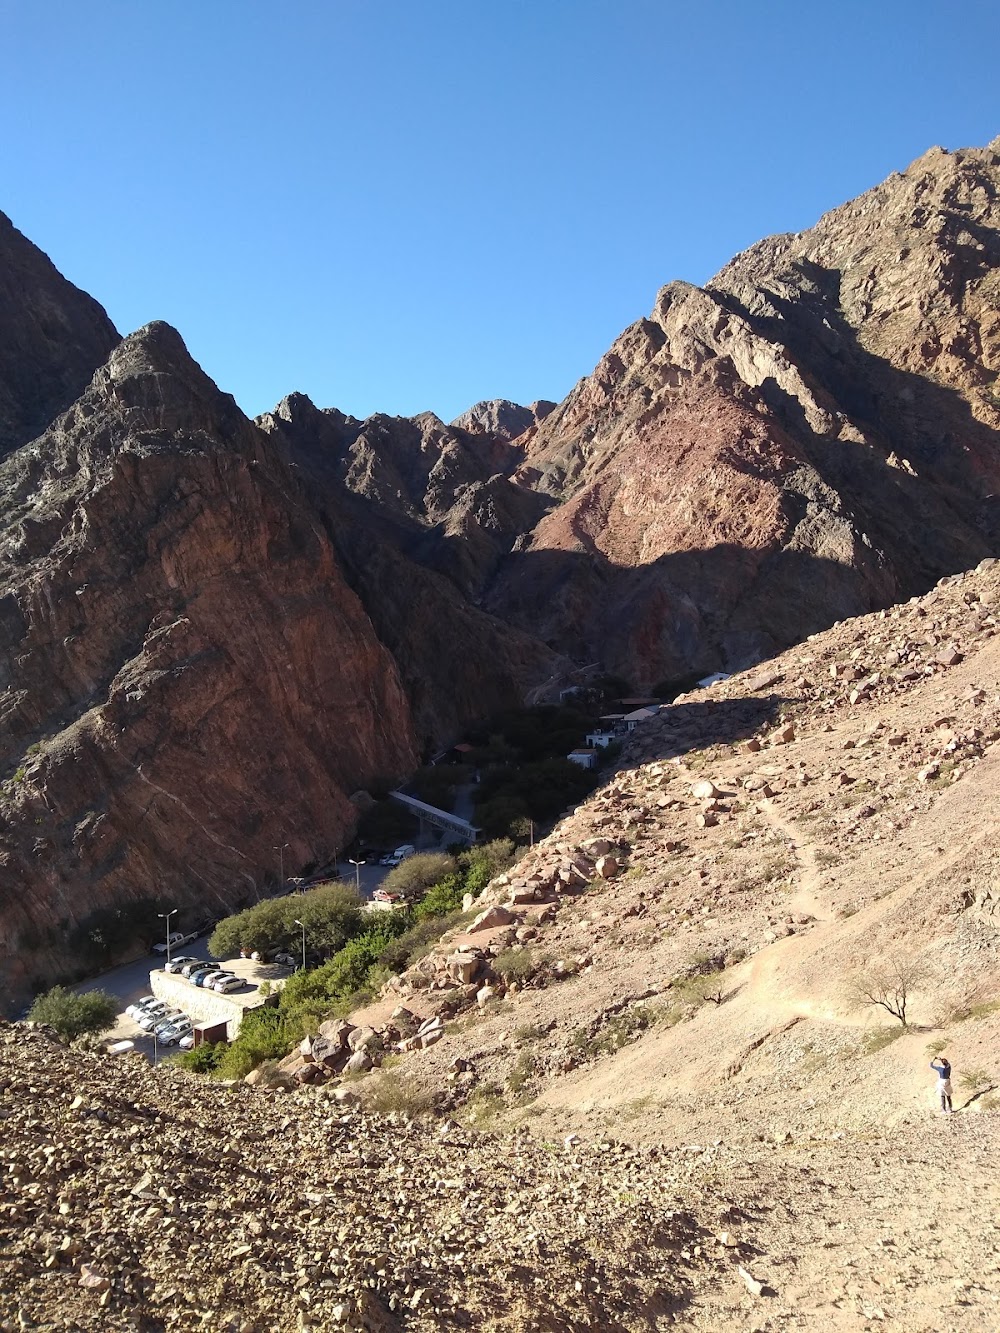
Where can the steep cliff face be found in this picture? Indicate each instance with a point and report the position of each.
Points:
(53, 337)
(418, 558)
(189, 678)
(812, 435)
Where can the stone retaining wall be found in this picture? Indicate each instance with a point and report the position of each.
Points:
(203, 1006)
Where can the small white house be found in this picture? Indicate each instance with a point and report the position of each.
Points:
(600, 739)
(586, 757)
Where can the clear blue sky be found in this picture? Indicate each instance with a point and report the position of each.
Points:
(401, 205)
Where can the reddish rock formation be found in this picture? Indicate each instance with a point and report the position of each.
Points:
(812, 435)
(502, 419)
(189, 678)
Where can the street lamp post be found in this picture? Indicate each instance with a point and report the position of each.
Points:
(299, 923)
(357, 872)
(165, 916)
(281, 863)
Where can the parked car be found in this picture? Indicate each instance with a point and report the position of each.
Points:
(180, 961)
(213, 973)
(285, 959)
(155, 1014)
(171, 1033)
(169, 1020)
(177, 941)
(196, 965)
(134, 1010)
(186, 1043)
(226, 984)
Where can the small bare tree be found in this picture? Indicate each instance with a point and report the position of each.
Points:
(887, 983)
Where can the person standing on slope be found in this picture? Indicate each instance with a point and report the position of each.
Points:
(942, 1068)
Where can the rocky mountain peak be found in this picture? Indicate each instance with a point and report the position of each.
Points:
(501, 418)
(53, 337)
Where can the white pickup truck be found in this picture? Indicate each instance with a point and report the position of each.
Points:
(177, 939)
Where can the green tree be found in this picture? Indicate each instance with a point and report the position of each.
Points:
(481, 862)
(264, 1035)
(331, 914)
(72, 1015)
(417, 873)
(441, 898)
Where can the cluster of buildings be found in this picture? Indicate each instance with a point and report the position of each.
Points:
(614, 727)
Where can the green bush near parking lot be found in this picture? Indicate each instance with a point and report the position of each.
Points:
(72, 1015)
(330, 913)
(370, 948)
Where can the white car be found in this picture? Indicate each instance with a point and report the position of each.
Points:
(154, 1016)
(134, 1010)
(187, 1043)
(177, 941)
(179, 961)
(226, 984)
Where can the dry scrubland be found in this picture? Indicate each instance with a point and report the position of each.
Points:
(752, 1150)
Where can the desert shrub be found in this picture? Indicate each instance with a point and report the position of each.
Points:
(482, 862)
(310, 995)
(880, 1039)
(887, 983)
(485, 1105)
(204, 1059)
(264, 1035)
(517, 965)
(963, 1012)
(974, 1079)
(520, 1076)
(414, 876)
(616, 1032)
(416, 940)
(441, 898)
(73, 1015)
(530, 1032)
(391, 1094)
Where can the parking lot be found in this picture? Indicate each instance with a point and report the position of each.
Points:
(130, 982)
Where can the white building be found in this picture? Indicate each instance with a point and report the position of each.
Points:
(585, 757)
(600, 739)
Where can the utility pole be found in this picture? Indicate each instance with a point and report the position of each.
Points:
(165, 916)
(281, 866)
(357, 872)
(299, 923)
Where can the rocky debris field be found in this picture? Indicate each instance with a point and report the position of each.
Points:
(627, 1091)
(133, 1198)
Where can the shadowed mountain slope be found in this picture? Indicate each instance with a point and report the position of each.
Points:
(53, 337)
